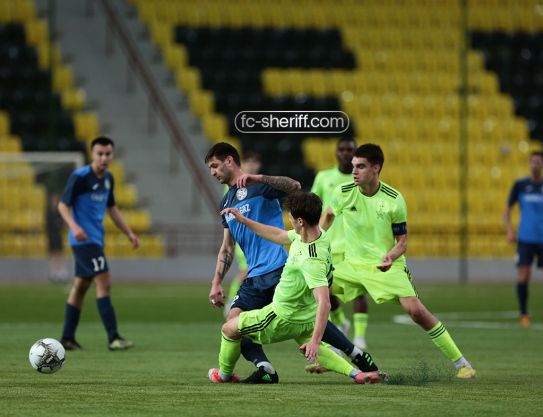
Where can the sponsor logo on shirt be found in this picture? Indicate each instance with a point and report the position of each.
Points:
(246, 208)
(99, 197)
(241, 193)
(533, 198)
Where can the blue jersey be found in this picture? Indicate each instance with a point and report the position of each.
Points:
(258, 202)
(89, 197)
(529, 195)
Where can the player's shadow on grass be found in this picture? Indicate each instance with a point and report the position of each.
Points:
(420, 375)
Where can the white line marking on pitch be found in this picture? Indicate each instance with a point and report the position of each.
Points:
(461, 319)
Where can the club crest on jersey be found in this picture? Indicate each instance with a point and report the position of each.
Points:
(241, 193)
(381, 211)
(107, 184)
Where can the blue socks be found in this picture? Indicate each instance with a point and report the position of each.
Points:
(71, 319)
(522, 293)
(107, 313)
(333, 336)
(253, 352)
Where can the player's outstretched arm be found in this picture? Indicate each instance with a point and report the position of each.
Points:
(271, 233)
(224, 261)
(118, 219)
(311, 348)
(327, 219)
(66, 213)
(397, 250)
(284, 184)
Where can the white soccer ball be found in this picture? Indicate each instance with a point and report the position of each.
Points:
(46, 355)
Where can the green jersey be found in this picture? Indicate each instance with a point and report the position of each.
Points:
(370, 223)
(324, 185)
(308, 266)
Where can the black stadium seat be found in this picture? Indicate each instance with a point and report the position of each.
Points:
(517, 59)
(26, 95)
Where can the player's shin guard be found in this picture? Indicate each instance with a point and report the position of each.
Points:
(329, 360)
(229, 354)
(443, 340)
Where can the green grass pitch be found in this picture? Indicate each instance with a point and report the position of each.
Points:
(177, 340)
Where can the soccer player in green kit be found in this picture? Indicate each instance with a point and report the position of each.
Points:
(301, 302)
(324, 185)
(375, 233)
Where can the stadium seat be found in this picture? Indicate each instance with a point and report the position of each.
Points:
(393, 68)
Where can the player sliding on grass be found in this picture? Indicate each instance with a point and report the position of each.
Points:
(375, 233)
(301, 302)
(257, 197)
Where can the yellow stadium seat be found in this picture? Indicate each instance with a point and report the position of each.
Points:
(86, 125)
(202, 103)
(188, 79)
(4, 123)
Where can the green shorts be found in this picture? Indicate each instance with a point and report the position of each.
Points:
(337, 257)
(352, 279)
(263, 326)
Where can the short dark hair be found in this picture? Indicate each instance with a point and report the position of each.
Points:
(345, 139)
(221, 150)
(537, 153)
(372, 152)
(306, 205)
(102, 140)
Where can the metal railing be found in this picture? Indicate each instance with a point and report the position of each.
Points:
(158, 103)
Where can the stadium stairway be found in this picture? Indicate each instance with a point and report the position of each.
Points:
(164, 181)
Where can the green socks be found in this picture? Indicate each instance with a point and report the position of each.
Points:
(360, 324)
(229, 354)
(443, 340)
(337, 317)
(333, 362)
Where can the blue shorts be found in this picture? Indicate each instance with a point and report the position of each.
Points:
(526, 253)
(257, 292)
(89, 261)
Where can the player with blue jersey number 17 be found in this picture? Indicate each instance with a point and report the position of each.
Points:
(88, 194)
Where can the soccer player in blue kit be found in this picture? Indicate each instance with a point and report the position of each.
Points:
(257, 197)
(528, 193)
(87, 196)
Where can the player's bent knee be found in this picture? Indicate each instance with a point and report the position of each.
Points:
(230, 329)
